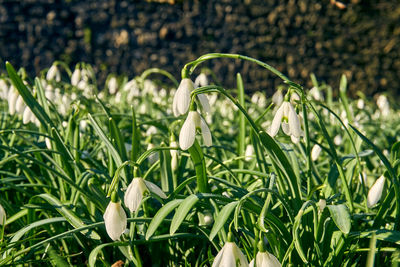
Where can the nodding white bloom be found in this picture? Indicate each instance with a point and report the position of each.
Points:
(112, 85)
(188, 131)
(277, 98)
(316, 94)
(249, 152)
(181, 100)
(337, 140)
(3, 89)
(230, 255)
(2, 215)
(27, 115)
(287, 116)
(201, 80)
(383, 105)
(294, 97)
(12, 100)
(174, 155)
(153, 156)
(265, 259)
(375, 193)
(204, 103)
(135, 191)
(315, 151)
(19, 104)
(76, 77)
(360, 104)
(53, 74)
(115, 220)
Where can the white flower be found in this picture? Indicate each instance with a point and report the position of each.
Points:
(201, 80)
(249, 152)
(337, 140)
(360, 104)
(287, 116)
(188, 131)
(12, 100)
(375, 193)
(315, 151)
(27, 115)
(204, 103)
(2, 215)
(153, 156)
(19, 104)
(230, 256)
(316, 94)
(277, 98)
(181, 101)
(53, 74)
(76, 77)
(174, 155)
(112, 85)
(115, 220)
(135, 191)
(265, 259)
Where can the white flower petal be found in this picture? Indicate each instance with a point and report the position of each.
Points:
(12, 99)
(181, 100)
(75, 77)
(155, 189)
(134, 194)
(205, 131)
(204, 103)
(26, 117)
(201, 80)
(315, 151)
(276, 122)
(19, 104)
(3, 216)
(265, 259)
(294, 122)
(188, 132)
(375, 193)
(295, 139)
(230, 255)
(285, 128)
(115, 220)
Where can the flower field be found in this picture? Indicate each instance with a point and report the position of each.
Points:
(151, 171)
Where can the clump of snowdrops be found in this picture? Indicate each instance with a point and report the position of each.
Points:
(160, 172)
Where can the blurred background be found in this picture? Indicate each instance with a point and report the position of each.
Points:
(358, 38)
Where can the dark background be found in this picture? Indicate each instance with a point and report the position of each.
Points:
(296, 37)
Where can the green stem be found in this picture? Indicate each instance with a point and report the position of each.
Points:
(197, 157)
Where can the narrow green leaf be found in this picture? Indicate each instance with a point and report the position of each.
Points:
(341, 216)
(182, 212)
(160, 216)
(69, 215)
(221, 219)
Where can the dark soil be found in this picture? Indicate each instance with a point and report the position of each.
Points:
(297, 37)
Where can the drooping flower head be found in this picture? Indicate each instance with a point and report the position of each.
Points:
(375, 193)
(188, 131)
(230, 255)
(2, 215)
(115, 218)
(135, 191)
(287, 117)
(181, 100)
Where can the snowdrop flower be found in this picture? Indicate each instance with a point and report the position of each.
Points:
(27, 115)
(294, 97)
(315, 151)
(53, 74)
(360, 104)
(230, 255)
(76, 77)
(153, 156)
(249, 152)
(383, 105)
(181, 100)
(265, 259)
(337, 140)
(12, 100)
(174, 155)
(287, 116)
(3, 89)
(188, 131)
(277, 98)
(135, 191)
(316, 94)
(375, 193)
(2, 215)
(19, 104)
(115, 220)
(201, 80)
(112, 85)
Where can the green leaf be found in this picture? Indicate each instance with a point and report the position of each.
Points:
(341, 217)
(160, 216)
(69, 215)
(221, 219)
(182, 212)
(17, 236)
